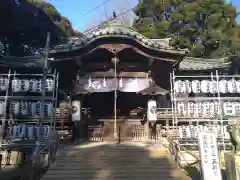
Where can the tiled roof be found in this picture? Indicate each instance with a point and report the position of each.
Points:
(190, 63)
(111, 31)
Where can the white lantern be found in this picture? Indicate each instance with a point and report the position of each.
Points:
(16, 108)
(181, 109)
(32, 108)
(40, 85)
(3, 83)
(38, 108)
(2, 108)
(205, 86)
(183, 88)
(223, 86)
(228, 109)
(151, 110)
(216, 109)
(237, 108)
(15, 131)
(177, 86)
(16, 85)
(188, 86)
(76, 110)
(196, 86)
(24, 108)
(33, 85)
(231, 86)
(207, 109)
(22, 131)
(47, 109)
(238, 86)
(188, 132)
(213, 86)
(25, 85)
(200, 109)
(180, 130)
(49, 85)
(191, 109)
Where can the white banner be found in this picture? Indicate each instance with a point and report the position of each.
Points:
(209, 156)
(151, 111)
(76, 110)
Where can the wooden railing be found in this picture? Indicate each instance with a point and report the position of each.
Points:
(39, 161)
(177, 150)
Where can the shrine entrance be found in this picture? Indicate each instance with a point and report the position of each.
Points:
(102, 104)
(130, 109)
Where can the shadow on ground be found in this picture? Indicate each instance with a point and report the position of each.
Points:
(111, 161)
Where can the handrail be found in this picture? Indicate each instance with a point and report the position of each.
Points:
(175, 150)
(36, 157)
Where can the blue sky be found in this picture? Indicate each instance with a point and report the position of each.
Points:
(75, 10)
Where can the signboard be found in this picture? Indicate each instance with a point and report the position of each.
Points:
(151, 111)
(76, 110)
(209, 156)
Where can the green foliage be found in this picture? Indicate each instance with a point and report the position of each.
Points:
(206, 27)
(55, 16)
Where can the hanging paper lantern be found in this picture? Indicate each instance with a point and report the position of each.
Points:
(177, 86)
(38, 108)
(200, 109)
(22, 130)
(216, 109)
(2, 108)
(183, 88)
(3, 84)
(33, 84)
(228, 109)
(49, 85)
(16, 85)
(180, 130)
(188, 86)
(207, 109)
(238, 86)
(196, 86)
(213, 86)
(16, 108)
(223, 86)
(191, 109)
(181, 109)
(205, 86)
(24, 108)
(25, 85)
(40, 85)
(47, 109)
(237, 108)
(231, 86)
(188, 132)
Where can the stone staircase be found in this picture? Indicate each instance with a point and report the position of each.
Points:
(105, 161)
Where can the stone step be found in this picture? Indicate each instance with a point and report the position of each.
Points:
(114, 162)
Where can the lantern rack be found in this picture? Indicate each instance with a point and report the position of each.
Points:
(204, 100)
(27, 109)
